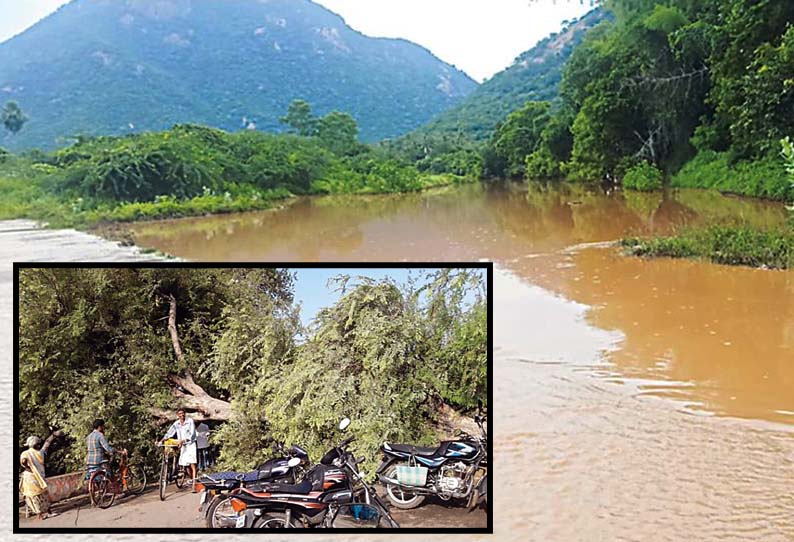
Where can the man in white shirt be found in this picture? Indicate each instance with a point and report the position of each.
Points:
(185, 431)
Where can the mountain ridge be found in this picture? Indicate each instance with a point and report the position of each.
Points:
(226, 65)
(534, 75)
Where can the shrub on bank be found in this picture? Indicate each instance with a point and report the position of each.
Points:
(733, 245)
(762, 178)
(644, 177)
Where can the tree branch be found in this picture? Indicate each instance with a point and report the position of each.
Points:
(172, 329)
(190, 394)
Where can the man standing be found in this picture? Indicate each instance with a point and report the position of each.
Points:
(185, 431)
(203, 443)
(99, 450)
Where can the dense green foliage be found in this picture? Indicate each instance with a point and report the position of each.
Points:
(644, 177)
(191, 170)
(12, 117)
(94, 343)
(145, 66)
(734, 245)
(437, 153)
(666, 82)
(534, 76)
(515, 139)
(787, 153)
(763, 177)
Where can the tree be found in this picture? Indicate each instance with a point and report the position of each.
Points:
(788, 160)
(13, 118)
(130, 345)
(338, 132)
(518, 137)
(300, 119)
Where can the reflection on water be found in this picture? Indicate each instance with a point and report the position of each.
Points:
(587, 344)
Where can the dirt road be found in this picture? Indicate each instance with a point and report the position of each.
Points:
(180, 510)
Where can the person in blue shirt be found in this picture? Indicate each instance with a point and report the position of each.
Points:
(99, 449)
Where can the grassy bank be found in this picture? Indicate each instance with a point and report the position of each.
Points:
(733, 245)
(762, 178)
(192, 170)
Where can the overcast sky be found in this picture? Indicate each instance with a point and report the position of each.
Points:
(481, 37)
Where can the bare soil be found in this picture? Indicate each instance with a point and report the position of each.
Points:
(180, 510)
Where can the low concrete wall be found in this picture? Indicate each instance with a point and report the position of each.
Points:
(64, 486)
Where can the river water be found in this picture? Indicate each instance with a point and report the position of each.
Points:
(635, 399)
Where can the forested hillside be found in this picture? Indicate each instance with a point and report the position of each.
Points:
(102, 67)
(700, 91)
(534, 75)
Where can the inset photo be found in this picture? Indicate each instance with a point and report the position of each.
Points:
(173, 397)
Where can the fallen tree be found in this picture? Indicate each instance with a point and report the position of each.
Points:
(190, 396)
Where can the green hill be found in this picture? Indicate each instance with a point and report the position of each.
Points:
(535, 75)
(117, 67)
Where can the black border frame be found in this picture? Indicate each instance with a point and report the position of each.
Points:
(488, 266)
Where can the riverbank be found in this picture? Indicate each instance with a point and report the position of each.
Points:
(730, 245)
(28, 241)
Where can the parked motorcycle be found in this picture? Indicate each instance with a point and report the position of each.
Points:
(289, 468)
(455, 469)
(333, 494)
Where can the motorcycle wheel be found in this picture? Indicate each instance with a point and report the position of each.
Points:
(220, 514)
(275, 520)
(398, 497)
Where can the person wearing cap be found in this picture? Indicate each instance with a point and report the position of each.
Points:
(33, 483)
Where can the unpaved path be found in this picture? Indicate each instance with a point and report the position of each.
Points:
(180, 510)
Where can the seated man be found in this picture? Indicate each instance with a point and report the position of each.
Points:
(99, 450)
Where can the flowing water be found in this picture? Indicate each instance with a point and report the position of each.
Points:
(635, 399)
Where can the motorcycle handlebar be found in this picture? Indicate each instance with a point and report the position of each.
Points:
(347, 441)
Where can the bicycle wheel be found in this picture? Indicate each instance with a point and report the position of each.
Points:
(135, 480)
(100, 489)
(163, 479)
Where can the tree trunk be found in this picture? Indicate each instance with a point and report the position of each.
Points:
(190, 396)
(449, 420)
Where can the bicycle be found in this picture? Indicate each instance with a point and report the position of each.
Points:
(104, 484)
(170, 470)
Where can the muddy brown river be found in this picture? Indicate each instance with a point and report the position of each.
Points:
(635, 399)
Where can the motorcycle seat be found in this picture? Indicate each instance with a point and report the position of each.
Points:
(414, 450)
(251, 476)
(304, 488)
